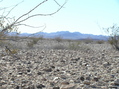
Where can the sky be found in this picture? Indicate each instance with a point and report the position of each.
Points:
(85, 16)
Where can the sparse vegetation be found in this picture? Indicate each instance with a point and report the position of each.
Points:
(114, 41)
(74, 45)
(33, 41)
(58, 39)
(113, 33)
(11, 51)
(10, 24)
(65, 56)
(100, 41)
(59, 47)
(69, 40)
(88, 40)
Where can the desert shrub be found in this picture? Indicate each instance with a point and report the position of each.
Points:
(2, 40)
(30, 44)
(69, 40)
(11, 51)
(88, 40)
(58, 39)
(15, 38)
(2, 43)
(110, 41)
(74, 45)
(41, 38)
(33, 41)
(59, 47)
(113, 33)
(114, 41)
(100, 42)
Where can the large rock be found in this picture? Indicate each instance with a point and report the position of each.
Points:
(116, 82)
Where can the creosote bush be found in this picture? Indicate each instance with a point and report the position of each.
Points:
(88, 40)
(113, 33)
(114, 41)
(59, 47)
(33, 41)
(11, 51)
(74, 45)
(58, 39)
(100, 41)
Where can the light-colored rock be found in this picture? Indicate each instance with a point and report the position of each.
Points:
(116, 82)
(70, 86)
(85, 68)
(87, 82)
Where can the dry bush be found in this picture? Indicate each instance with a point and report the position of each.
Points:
(113, 33)
(59, 47)
(2, 43)
(58, 39)
(33, 41)
(88, 40)
(69, 40)
(7, 46)
(100, 41)
(114, 41)
(30, 44)
(11, 51)
(74, 45)
(110, 42)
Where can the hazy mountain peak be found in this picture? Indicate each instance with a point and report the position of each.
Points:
(66, 35)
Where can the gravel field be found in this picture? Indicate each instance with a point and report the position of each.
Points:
(50, 64)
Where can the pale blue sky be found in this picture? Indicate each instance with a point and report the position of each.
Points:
(85, 16)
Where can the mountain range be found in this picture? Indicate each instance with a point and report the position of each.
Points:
(65, 35)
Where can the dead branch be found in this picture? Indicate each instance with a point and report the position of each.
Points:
(13, 8)
(42, 14)
(8, 50)
(31, 10)
(57, 3)
(18, 21)
(28, 25)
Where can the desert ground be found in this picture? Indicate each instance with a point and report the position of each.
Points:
(58, 64)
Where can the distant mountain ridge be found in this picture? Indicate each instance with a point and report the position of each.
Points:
(66, 35)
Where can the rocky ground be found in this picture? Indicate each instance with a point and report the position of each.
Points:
(59, 65)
